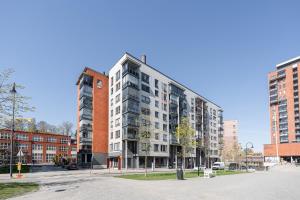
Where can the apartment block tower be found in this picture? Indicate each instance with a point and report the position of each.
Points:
(142, 97)
(92, 126)
(231, 143)
(284, 112)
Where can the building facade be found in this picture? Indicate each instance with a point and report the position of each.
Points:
(37, 148)
(231, 144)
(92, 117)
(284, 112)
(142, 98)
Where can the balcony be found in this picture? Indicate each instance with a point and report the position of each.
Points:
(130, 136)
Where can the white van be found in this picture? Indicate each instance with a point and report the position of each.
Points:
(218, 165)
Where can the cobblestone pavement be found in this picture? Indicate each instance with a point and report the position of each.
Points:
(278, 183)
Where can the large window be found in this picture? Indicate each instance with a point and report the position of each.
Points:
(51, 148)
(37, 138)
(4, 135)
(37, 157)
(49, 157)
(118, 98)
(145, 78)
(21, 137)
(117, 75)
(145, 88)
(163, 148)
(37, 147)
(145, 99)
(118, 110)
(118, 134)
(156, 147)
(51, 139)
(117, 146)
(145, 111)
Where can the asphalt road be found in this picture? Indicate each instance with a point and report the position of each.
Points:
(278, 183)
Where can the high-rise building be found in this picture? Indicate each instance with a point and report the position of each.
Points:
(114, 110)
(284, 112)
(231, 144)
(141, 96)
(92, 126)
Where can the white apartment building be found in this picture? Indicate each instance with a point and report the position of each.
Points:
(140, 95)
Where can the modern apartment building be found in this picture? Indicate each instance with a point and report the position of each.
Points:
(284, 112)
(231, 144)
(37, 148)
(92, 126)
(141, 97)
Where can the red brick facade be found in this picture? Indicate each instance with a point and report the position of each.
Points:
(37, 145)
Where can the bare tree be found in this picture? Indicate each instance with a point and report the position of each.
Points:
(67, 128)
(42, 126)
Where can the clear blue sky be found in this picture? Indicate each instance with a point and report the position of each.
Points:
(221, 49)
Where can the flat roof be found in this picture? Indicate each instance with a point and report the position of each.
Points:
(288, 62)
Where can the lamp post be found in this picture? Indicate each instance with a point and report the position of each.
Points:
(248, 143)
(13, 92)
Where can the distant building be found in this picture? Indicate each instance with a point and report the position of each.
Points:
(231, 145)
(284, 112)
(38, 148)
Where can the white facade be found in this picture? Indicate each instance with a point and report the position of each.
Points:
(136, 105)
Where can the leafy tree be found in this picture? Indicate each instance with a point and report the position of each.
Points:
(144, 139)
(185, 135)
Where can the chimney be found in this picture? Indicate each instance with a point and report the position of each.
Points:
(143, 58)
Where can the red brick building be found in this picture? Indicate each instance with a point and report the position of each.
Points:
(38, 148)
(284, 112)
(92, 126)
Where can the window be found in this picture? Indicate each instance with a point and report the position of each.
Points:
(117, 122)
(37, 147)
(165, 127)
(165, 107)
(165, 137)
(156, 104)
(4, 145)
(99, 84)
(111, 113)
(111, 90)
(156, 147)
(157, 136)
(145, 99)
(118, 110)
(22, 146)
(37, 157)
(118, 75)
(145, 78)
(51, 148)
(64, 141)
(49, 157)
(156, 83)
(145, 88)
(118, 86)
(51, 139)
(111, 135)
(21, 137)
(156, 114)
(37, 138)
(112, 81)
(112, 102)
(4, 135)
(193, 117)
(145, 111)
(118, 98)
(117, 146)
(165, 117)
(118, 134)
(163, 148)
(111, 146)
(157, 125)
(63, 148)
(156, 93)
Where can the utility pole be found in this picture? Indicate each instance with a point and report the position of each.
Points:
(13, 92)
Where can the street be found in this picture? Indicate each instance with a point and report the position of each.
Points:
(278, 183)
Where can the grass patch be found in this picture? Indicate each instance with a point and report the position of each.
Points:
(172, 175)
(8, 190)
(5, 169)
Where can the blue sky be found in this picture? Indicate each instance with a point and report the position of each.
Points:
(221, 49)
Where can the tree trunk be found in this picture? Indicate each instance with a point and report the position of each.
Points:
(146, 165)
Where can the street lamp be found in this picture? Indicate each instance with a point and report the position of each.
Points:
(13, 92)
(248, 143)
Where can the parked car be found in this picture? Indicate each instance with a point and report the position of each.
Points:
(218, 166)
(72, 166)
(234, 166)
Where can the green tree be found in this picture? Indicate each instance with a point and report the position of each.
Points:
(144, 139)
(186, 138)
